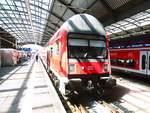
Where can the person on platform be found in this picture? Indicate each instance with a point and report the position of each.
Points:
(36, 58)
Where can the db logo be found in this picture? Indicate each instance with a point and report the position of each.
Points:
(130, 54)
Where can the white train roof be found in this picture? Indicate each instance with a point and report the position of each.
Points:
(84, 23)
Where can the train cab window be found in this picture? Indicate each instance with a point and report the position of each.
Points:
(130, 63)
(143, 61)
(77, 48)
(120, 62)
(81, 48)
(113, 61)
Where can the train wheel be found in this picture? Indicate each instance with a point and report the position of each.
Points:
(99, 88)
(57, 83)
(48, 69)
(89, 85)
(100, 91)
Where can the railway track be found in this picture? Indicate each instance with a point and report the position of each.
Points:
(94, 107)
(77, 109)
(87, 104)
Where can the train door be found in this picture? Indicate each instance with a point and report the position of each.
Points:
(145, 62)
(148, 62)
(48, 59)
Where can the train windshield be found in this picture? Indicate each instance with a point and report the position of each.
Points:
(81, 48)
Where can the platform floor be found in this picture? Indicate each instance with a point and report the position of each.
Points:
(27, 89)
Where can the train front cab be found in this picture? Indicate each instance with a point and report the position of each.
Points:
(88, 61)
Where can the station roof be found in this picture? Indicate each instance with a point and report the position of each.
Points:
(6, 38)
(35, 21)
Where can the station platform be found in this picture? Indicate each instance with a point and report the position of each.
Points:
(27, 89)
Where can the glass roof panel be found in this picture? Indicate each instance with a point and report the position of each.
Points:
(138, 20)
(22, 18)
(3, 2)
(17, 3)
(129, 26)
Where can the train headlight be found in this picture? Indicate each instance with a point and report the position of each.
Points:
(105, 67)
(71, 68)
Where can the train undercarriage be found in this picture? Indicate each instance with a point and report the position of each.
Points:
(93, 83)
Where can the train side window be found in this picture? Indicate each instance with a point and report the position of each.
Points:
(120, 62)
(113, 61)
(51, 53)
(57, 48)
(130, 63)
(143, 61)
(149, 62)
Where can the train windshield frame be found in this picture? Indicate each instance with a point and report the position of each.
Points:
(87, 46)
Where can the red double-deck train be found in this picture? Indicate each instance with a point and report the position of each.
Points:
(131, 60)
(9, 56)
(78, 55)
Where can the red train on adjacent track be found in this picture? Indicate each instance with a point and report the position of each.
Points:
(10, 57)
(131, 60)
(78, 55)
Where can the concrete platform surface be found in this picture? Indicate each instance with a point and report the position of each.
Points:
(27, 89)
